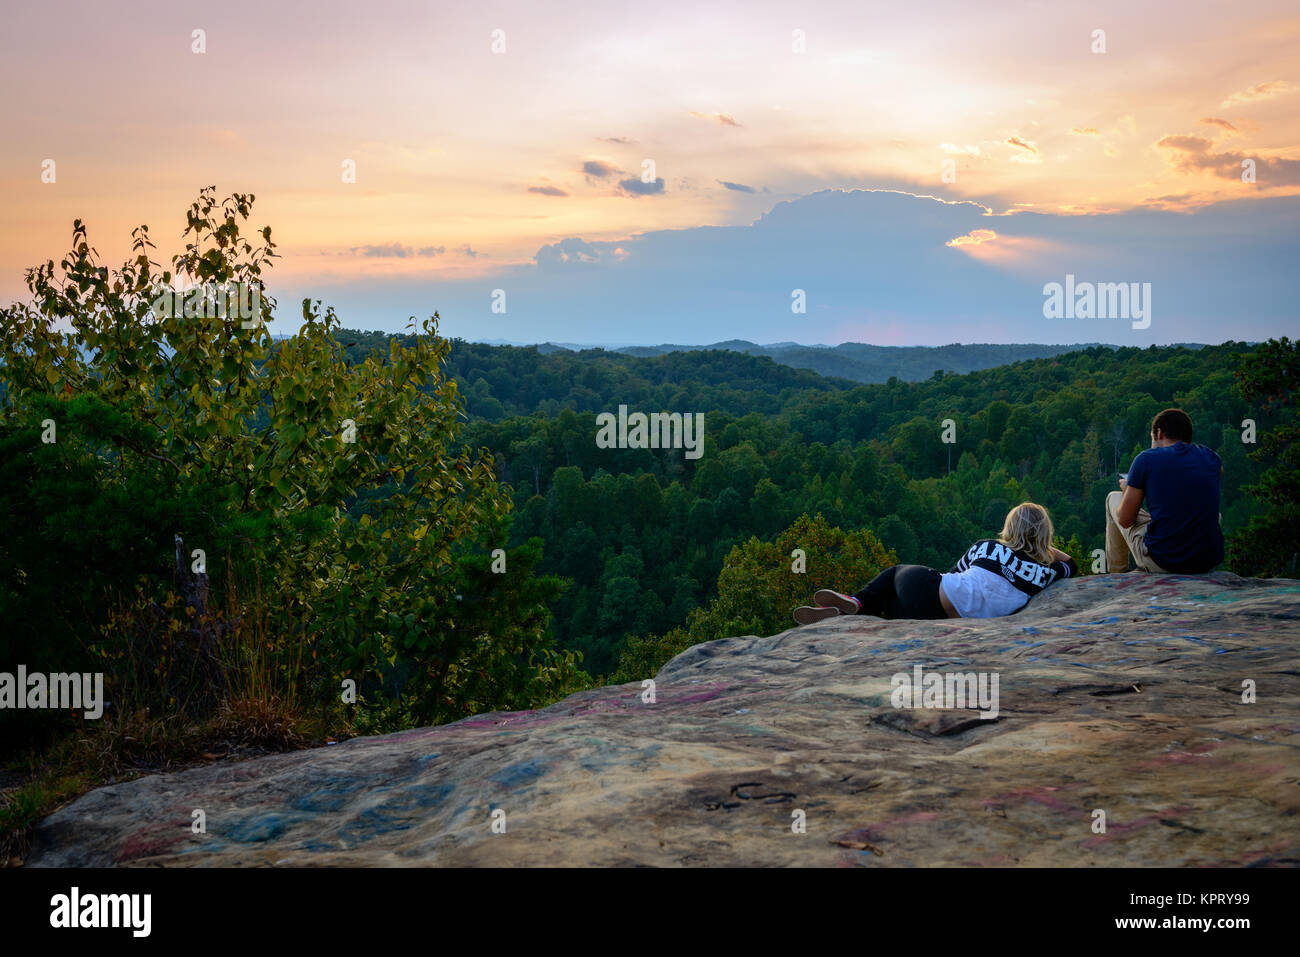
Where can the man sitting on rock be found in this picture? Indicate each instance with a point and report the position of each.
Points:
(1178, 531)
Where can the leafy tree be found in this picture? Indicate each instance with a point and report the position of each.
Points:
(280, 439)
(76, 533)
(901, 538)
(1270, 543)
(766, 508)
(759, 587)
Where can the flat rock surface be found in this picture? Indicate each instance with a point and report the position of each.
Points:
(1118, 694)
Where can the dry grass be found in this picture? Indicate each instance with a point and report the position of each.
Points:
(261, 709)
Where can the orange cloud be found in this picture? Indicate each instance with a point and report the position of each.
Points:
(1017, 253)
(1260, 91)
(724, 118)
(976, 237)
(1031, 154)
(1193, 154)
(1179, 202)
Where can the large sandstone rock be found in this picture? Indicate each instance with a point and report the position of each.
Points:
(1120, 694)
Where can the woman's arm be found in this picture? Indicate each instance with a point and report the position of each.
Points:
(1063, 564)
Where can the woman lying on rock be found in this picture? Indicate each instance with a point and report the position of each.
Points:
(995, 577)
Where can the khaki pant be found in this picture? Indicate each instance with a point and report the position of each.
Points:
(1123, 542)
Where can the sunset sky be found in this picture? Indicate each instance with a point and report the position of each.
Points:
(819, 170)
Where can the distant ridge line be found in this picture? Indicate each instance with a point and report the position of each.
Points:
(855, 361)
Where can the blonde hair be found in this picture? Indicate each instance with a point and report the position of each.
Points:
(1028, 528)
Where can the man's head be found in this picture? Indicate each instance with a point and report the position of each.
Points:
(1171, 427)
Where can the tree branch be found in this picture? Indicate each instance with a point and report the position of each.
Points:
(123, 441)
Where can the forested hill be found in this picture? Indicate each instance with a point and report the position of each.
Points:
(501, 381)
(863, 362)
(733, 376)
(642, 534)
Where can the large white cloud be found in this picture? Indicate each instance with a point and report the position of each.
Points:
(877, 266)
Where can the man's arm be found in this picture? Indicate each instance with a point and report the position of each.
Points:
(1129, 506)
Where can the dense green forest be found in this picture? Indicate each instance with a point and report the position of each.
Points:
(642, 534)
(498, 382)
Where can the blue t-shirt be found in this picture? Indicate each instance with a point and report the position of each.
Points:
(1181, 483)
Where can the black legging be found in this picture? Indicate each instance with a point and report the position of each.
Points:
(903, 591)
